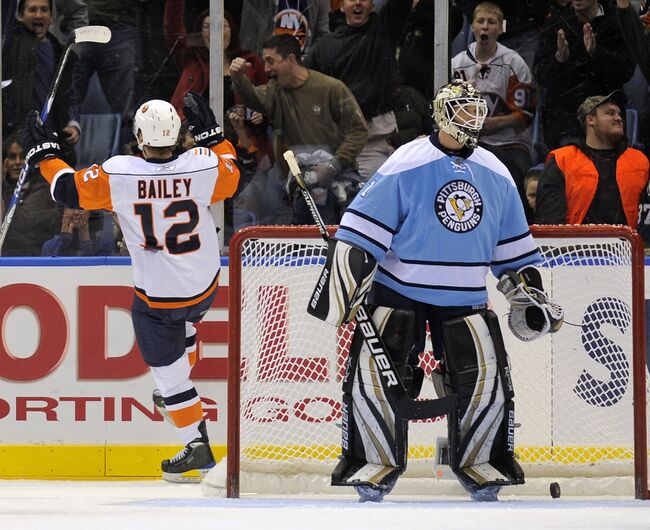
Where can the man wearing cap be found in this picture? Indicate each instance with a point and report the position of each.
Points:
(597, 179)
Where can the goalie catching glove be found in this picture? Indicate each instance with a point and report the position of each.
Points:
(201, 123)
(38, 141)
(532, 315)
(343, 284)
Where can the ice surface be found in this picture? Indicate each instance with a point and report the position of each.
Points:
(157, 505)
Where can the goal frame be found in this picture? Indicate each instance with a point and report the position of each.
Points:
(639, 362)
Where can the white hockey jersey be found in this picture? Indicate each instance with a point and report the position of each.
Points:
(506, 84)
(162, 208)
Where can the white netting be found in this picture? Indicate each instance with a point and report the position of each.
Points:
(573, 389)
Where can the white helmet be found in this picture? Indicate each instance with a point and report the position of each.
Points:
(454, 98)
(158, 122)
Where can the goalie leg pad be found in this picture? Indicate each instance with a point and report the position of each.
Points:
(374, 438)
(481, 428)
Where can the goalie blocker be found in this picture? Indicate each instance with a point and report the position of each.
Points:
(343, 283)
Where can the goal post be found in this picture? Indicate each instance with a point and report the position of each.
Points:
(580, 394)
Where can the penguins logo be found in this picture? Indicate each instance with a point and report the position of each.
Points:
(459, 206)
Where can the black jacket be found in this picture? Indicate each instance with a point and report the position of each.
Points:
(568, 84)
(364, 57)
(19, 64)
(37, 217)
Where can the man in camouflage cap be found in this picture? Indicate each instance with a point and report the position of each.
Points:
(598, 178)
(589, 105)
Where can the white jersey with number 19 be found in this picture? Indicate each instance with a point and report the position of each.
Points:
(162, 208)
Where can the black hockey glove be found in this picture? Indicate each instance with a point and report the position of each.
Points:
(38, 141)
(201, 123)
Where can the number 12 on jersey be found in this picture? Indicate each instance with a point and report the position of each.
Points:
(172, 240)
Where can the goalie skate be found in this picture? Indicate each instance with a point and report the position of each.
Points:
(372, 493)
(192, 462)
(488, 494)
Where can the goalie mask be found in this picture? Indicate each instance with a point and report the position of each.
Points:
(460, 110)
(158, 123)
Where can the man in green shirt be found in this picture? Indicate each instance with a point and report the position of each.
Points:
(314, 115)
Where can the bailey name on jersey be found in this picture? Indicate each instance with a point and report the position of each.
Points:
(164, 188)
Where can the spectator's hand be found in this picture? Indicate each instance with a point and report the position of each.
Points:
(80, 223)
(237, 120)
(589, 38)
(238, 68)
(71, 134)
(76, 220)
(257, 118)
(201, 123)
(38, 141)
(67, 220)
(562, 53)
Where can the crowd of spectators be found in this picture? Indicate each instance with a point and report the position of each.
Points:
(343, 83)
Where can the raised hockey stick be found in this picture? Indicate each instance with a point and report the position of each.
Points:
(98, 34)
(409, 408)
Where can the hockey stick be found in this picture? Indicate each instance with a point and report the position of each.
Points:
(410, 409)
(98, 34)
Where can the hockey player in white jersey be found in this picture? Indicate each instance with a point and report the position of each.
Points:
(162, 204)
(422, 235)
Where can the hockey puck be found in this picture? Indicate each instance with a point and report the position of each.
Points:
(555, 490)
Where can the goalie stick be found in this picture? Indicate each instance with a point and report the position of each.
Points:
(410, 409)
(97, 34)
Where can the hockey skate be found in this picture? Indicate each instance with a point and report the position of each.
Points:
(368, 493)
(487, 494)
(192, 462)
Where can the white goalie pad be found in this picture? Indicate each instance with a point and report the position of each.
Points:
(486, 401)
(481, 435)
(372, 411)
(374, 437)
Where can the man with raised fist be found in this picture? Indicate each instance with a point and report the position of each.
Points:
(316, 116)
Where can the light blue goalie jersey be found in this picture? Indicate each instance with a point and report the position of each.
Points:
(437, 223)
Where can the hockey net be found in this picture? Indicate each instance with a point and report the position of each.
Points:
(580, 394)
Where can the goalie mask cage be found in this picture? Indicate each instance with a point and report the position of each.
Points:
(580, 394)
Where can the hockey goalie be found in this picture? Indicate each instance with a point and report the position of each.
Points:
(415, 247)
